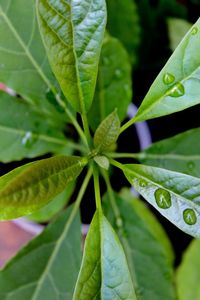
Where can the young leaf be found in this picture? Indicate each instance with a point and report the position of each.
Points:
(104, 272)
(102, 161)
(28, 188)
(47, 267)
(74, 30)
(113, 83)
(123, 23)
(174, 195)
(107, 132)
(23, 63)
(177, 86)
(146, 247)
(23, 132)
(179, 153)
(187, 277)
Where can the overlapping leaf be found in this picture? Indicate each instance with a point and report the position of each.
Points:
(104, 272)
(27, 188)
(47, 267)
(178, 84)
(177, 28)
(73, 33)
(174, 195)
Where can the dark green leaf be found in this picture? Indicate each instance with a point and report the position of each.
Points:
(174, 195)
(47, 268)
(178, 84)
(114, 86)
(123, 23)
(146, 247)
(104, 273)
(188, 273)
(107, 132)
(179, 153)
(73, 33)
(28, 188)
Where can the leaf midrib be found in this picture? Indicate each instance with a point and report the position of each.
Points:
(183, 157)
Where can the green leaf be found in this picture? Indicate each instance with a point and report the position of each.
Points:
(54, 207)
(107, 132)
(188, 273)
(144, 242)
(104, 272)
(47, 267)
(124, 23)
(23, 131)
(174, 195)
(73, 32)
(113, 83)
(177, 29)
(179, 153)
(177, 86)
(102, 161)
(23, 63)
(28, 188)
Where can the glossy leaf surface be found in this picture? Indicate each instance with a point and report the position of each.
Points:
(177, 86)
(27, 188)
(24, 132)
(73, 32)
(187, 277)
(47, 267)
(177, 28)
(104, 272)
(146, 247)
(124, 23)
(174, 195)
(107, 132)
(114, 86)
(179, 153)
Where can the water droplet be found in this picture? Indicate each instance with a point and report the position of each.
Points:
(142, 183)
(177, 90)
(189, 216)
(191, 165)
(168, 78)
(163, 198)
(29, 139)
(118, 73)
(119, 222)
(194, 30)
(106, 61)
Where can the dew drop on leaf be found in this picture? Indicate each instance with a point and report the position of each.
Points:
(163, 198)
(191, 165)
(194, 30)
(168, 78)
(142, 183)
(189, 216)
(29, 139)
(177, 90)
(118, 73)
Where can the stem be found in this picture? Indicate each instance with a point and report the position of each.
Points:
(123, 155)
(116, 164)
(97, 188)
(127, 125)
(86, 128)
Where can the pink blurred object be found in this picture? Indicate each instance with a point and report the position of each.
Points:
(2, 87)
(8, 90)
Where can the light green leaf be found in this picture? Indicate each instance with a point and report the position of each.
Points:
(179, 153)
(177, 87)
(114, 86)
(144, 248)
(174, 195)
(177, 29)
(124, 23)
(102, 161)
(104, 272)
(47, 268)
(24, 132)
(28, 188)
(188, 273)
(73, 32)
(23, 62)
(107, 132)
(54, 207)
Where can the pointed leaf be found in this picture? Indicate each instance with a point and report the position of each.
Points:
(174, 195)
(47, 267)
(188, 273)
(113, 83)
(179, 153)
(102, 161)
(104, 272)
(144, 241)
(178, 84)
(73, 32)
(27, 188)
(107, 132)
